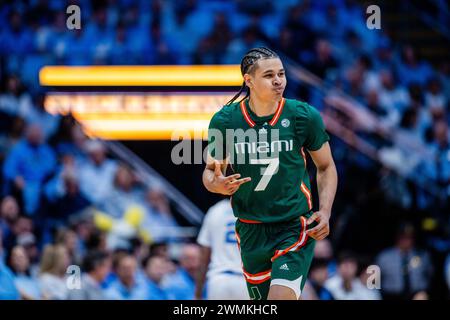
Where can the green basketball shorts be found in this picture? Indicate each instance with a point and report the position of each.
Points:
(275, 253)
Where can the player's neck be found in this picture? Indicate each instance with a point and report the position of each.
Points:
(260, 107)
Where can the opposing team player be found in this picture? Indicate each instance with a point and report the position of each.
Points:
(220, 256)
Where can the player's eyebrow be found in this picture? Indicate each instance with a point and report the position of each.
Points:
(271, 70)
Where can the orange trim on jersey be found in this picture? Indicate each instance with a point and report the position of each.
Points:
(303, 155)
(238, 239)
(272, 122)
(278, 112)
(257, 277)
(246, 115)
(307, 194)
(297, 245)
(249, 221)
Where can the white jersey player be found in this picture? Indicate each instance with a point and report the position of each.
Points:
(225, 280)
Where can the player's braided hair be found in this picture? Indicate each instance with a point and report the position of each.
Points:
(247, 66)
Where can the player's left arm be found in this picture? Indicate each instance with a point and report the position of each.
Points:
(326, 184)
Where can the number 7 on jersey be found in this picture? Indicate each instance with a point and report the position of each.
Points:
(268, 172)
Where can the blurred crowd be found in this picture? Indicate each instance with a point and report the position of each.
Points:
(63, 195)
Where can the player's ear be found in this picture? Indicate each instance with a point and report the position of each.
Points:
(248, 80)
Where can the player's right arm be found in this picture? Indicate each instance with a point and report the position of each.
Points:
(214, 178)
(215, 181)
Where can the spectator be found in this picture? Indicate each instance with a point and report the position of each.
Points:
(71, 141)
(38, 115)
(324, 252)
(97, 174)
(405, 270)
(14, 127)
(15, 101)
(438, 168)
(434, 96)
(369, 291)
(63, 193)
(96, 266)
(16, 39)
(126, 286)
(323, 62)
(181, 284)
(392, 97)
(8, 289)
(9, 213)
(159, 220)
(19, 264)
(346, 285)
(29, 243)
(22, 226)
(124, 193)
(27, 167)
(54, 263)
(318, 275)
(156, 267)
(69, 239)
(410, 69)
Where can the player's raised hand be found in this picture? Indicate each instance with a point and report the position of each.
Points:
(227, 185)
(322, 229)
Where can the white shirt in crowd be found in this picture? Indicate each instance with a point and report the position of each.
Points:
(357, 292)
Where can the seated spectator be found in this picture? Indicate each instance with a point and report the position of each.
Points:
(438, 168)
(156, 267)
(369, 281)
(181, 284)
(26, 168)
(54, 263)
(345, 285)
(124, 193)
(388, 118)
(318, 275)
(23, 226)
(14, 127)
(15, 101)
(392, 97)
(29, 243)
(71, 141)
(159, 220)
(324, 251)
(405, 270)
(97, 174)
(38, 115)
(96, 266)
(126, 286)
(434, 96)
(8, 289)
(69, 239)
(9, 213)
(323, 62)
(411, 70)
(63, 194)
(19, 264)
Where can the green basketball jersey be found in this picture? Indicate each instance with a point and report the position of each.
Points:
(270, 150)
